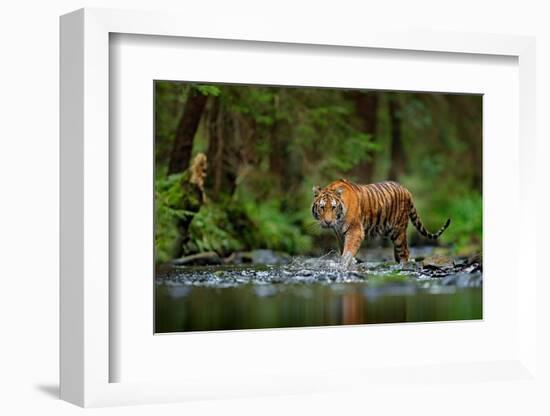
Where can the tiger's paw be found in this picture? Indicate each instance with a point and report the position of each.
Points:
(347, 260)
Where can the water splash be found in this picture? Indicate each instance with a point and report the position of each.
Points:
(324, 270)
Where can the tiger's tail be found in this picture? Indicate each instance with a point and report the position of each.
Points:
(420, 227)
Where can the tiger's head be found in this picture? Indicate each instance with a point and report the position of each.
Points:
(328, 207)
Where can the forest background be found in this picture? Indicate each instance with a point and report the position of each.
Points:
(267, 146)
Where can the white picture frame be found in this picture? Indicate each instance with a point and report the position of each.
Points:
(86, 356)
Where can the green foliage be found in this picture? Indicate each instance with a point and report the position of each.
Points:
(358, 148)
(170, 198)
(276, 229)
(246, 225)
(213, 230)
(466, 232)
(449, 199)
(226, 227)
(168, 194)
(208, 90)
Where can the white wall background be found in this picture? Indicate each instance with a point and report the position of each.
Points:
(29, 193)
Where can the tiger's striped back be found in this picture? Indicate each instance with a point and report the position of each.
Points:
(385, 207)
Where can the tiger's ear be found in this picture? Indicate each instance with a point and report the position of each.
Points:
(316, 190)
(339, 191)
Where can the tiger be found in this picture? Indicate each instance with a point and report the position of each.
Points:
(357, 211)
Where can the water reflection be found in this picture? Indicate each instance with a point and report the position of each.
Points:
(191, 307)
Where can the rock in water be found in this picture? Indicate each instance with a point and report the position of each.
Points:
(476, 258)
(437, 261)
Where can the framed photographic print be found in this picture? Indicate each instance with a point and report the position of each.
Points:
(243, 215)
(239, 220)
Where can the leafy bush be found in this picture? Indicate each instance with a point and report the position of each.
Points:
(466, 231)
(213, 230)
(275, 229)
(168, 195)
(227, 225)
(450, 199)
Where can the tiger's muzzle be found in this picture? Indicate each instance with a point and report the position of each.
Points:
(326, 224)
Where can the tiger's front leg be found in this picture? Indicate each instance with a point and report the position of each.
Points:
(352, 241)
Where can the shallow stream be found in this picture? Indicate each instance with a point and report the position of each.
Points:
(314, 292)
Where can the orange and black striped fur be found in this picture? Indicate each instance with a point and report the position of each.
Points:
(357, 211)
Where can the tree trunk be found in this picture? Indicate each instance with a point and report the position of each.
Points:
(222, 153)
(285, 166)
(185, 133)
(397, 152)
(278, 146)
(366, 107)
(467, 116)
(278, 155)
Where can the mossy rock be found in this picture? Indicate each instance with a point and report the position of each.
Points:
(438, 260)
